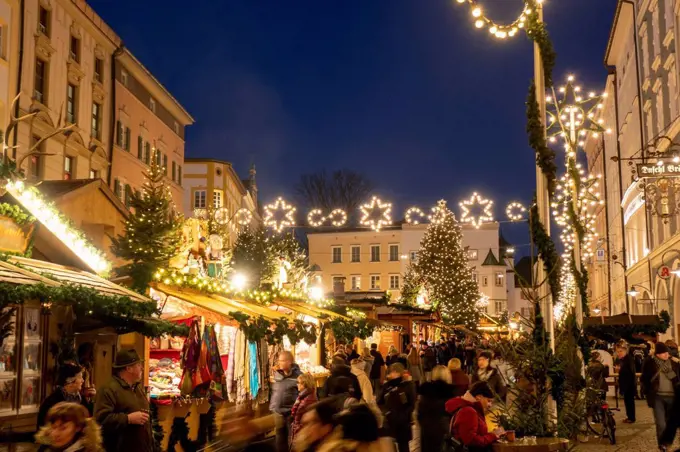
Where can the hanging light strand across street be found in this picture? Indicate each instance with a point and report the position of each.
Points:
(499, 30)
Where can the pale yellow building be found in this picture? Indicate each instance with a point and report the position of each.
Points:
(211, 184)
(363, 260)
(66, 73)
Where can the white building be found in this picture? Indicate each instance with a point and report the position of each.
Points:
(638, 233)
(365, 260)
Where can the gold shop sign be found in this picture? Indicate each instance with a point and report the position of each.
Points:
(14, 238)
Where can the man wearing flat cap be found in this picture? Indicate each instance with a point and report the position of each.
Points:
(122, 408)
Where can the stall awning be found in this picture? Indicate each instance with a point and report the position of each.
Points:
(14, 275)
(384, 324)
(310, 310)
(218, 304)
(73, 276)
(622, 319)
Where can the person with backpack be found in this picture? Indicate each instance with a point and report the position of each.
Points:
(468, 418)
(398, 400)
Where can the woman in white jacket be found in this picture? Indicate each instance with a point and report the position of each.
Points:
(367, 395)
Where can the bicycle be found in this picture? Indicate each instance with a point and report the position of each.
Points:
(599, 421)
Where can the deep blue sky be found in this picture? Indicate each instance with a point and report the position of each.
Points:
(408, 92)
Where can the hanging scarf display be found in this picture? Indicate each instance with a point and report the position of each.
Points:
(189, 361)
(253, 371)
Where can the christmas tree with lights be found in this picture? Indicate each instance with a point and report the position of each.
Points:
(442, 267)
(153, 231)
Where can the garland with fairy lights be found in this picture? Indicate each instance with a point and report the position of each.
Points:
(346, 331)
(546, 251)
(210, 285)
(119, 312)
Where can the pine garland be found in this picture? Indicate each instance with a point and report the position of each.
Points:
(546, 251)
(346, 331)
(258, 328)
(120, 312)
(545, 156)
(16, 213)
(612, 333)
(537, 32)
(156, 428)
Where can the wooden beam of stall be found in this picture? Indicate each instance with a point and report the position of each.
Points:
(310, 310)
(250, 308)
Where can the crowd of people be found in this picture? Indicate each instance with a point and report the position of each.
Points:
(382, 397)
(113, 419)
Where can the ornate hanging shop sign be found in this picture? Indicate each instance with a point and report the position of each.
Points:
(656, 170)
(14, 238)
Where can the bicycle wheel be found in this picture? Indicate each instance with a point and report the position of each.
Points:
(596, 423)
(611, 427)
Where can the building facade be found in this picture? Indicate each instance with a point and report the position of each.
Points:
(148, 124)
(65, 79)
(214, 184)
(93, 102)
(360, 260)
(639, 244)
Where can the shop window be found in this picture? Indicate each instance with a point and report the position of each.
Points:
(21, 356)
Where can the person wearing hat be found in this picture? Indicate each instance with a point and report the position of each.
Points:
(468, 418)
(69, 383)
(485, 372)
(659, 382)
(122, 409)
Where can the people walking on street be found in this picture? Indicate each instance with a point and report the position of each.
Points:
(598, 373)
(122, 408)
(306, 386)
(317, 425)
(432, 416)
(377, 372)
(627, 380)
(284, 394)
(415, 367)
(68, 389)
(69, 428)
(368, 360)
(397, 400)
(341, 370)
(428, 359)
(489, 374)
(459, 379)
(468, 418)
(659, 380)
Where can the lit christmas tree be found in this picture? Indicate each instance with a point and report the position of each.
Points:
(442, 267)
(153, 231)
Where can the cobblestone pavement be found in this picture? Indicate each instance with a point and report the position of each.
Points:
(638, 437)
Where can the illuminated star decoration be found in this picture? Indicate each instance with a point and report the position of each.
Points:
(279, 215)
(484, 207)
(376, 220)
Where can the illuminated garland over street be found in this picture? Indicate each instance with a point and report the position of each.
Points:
(500, 31)
(59, 225)
(211, 285)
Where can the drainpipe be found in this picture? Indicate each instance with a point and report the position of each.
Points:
(606, 225)
(112, 128)
(19, 70)
(612, 71)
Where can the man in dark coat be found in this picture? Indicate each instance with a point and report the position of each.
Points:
(659, 381)
(428, 359)
(397, 400)
(340, 369)
(69, 384)
(284, 395)
(377, 368)
(122, 408)
(627, 381)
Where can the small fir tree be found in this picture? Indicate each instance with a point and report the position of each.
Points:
(257, 255)
(153, 231)
(442, 268)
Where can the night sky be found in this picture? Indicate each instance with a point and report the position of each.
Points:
(407, 92)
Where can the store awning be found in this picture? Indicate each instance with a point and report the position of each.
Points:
(73, 276)
(218, 304)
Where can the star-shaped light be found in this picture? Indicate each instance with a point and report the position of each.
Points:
(285, 217)
(484, 205)
(371, 219)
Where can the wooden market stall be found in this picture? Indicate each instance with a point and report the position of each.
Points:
(26, 369)
(188, 305)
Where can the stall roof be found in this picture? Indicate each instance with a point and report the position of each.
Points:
(622, 319)
(384, 323)
(309, 309)
(12, 274)
(219, 304)
(48, 271)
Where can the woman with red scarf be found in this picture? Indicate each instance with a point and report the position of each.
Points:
(307, 396)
